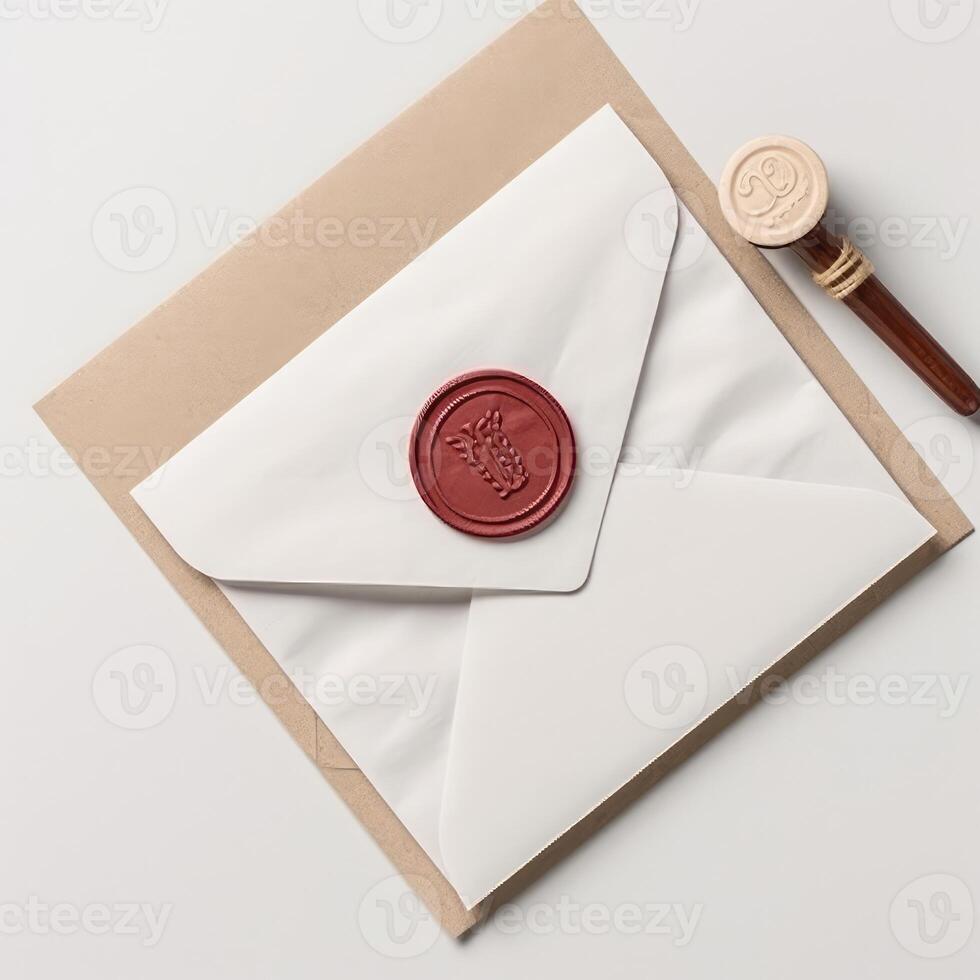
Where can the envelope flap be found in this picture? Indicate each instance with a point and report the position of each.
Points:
(554, 278)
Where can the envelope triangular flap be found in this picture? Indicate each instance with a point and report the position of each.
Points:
(306, 480)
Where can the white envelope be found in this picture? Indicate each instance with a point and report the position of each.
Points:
(495, 692)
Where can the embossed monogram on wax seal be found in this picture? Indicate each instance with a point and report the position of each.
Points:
(484, 447)
(492, 454)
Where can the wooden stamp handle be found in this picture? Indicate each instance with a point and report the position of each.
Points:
(888, 318)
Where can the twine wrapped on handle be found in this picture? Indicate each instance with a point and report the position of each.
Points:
(851, 270)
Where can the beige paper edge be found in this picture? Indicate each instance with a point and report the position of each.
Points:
(202, 351)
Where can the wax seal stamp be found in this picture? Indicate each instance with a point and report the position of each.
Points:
(492, 454)
(774, 191)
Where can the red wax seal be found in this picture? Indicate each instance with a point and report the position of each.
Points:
(492, 454)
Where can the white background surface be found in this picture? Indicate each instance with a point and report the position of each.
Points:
(788, 839)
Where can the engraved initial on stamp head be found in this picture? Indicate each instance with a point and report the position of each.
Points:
(774, 191)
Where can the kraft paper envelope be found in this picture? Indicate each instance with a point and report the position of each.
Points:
(783, 513)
